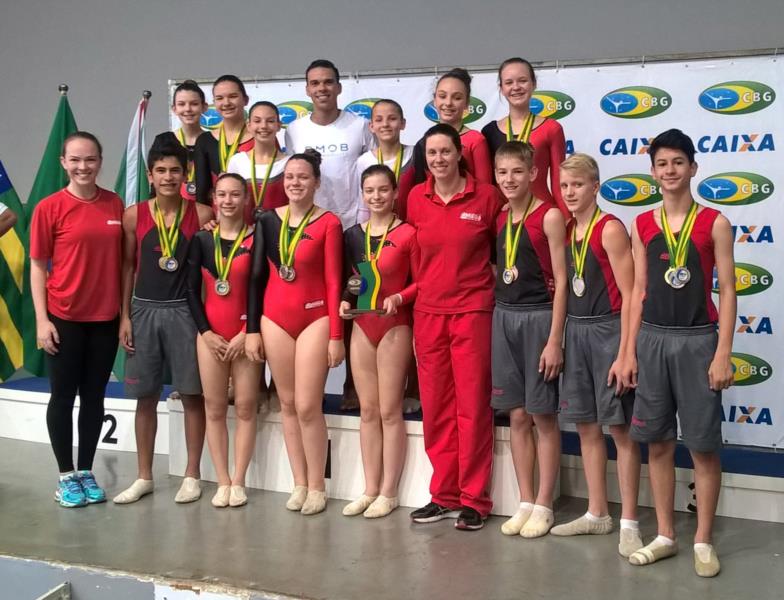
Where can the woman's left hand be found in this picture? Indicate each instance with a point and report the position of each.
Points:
(236, 347)
(391, 304)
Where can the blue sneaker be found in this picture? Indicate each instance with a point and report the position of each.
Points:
(92, 491)
(69, 492)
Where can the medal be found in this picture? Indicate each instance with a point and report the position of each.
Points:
(579, 256)
(190, 188)
(678, 274)
(258, 194)
(287, 274)
(287, 245)
(222, 287)
(226, 151)
(525, 133)
(168, 263)
(511, 244)
(398, 161)
(223, 265)
(168, 237)
(578, 286)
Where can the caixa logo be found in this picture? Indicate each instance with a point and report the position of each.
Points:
(636, 102)
(555, 105)
(362, 107)
(293, 109)
(748, 369)
(749, 279)
(737, 97)
(739, 142)
(752, 234)
(210, 118)
(735, 188)
(624, 146)
(475, 111)
(746, 414)
(754, 325)
(636, 189)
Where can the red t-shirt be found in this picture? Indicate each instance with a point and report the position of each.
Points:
(83, 239)
(477, 156)
(456, 242)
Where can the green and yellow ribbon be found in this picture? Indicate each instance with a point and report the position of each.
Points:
(513, 241)
(226, 151)
(525, 133)
(398, 161)
(578, 256)
(678, 248)
(258, 195)
(288, 244)
(223, 265)
(167, 238)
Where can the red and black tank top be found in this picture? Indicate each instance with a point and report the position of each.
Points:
(152, 282)
(535, 283)
(691, 305)
(602, 296)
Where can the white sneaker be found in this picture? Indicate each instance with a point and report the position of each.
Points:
(139, 488)
(189, 491)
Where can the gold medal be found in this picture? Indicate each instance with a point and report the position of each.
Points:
(168, 263)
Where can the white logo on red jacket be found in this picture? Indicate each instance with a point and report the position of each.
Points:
(467, 216)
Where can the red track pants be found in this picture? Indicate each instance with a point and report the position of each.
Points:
(453, 361)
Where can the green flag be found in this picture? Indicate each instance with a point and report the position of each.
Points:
(50, 178)
(132, 185)
(12, 263)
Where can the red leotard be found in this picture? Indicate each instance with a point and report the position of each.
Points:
(225, 315)
(397, 266)
(314, 293)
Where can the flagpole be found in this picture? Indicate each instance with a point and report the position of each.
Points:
(63, 89)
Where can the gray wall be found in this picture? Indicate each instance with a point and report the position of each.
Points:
(108, 51)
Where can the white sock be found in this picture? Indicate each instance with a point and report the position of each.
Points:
(702, 550)
(594, 519)
(629, 524)
(526, 506)
(664, 540)
(542, 510)
(64, 476)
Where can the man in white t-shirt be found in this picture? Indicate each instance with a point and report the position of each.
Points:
(7, 219)
(339, 136)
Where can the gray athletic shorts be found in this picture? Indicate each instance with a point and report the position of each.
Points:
(164, 336)
(673, 367)
(519, 336)
(591, 348)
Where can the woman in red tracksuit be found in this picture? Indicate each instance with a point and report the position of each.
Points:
(454, 216)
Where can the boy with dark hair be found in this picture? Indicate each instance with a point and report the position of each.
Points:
(156, 327)
(685, 362)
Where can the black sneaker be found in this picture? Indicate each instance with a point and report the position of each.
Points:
(431, 513)
(469, 519)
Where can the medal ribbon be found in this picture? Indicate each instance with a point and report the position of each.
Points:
(679, 248)
(380, 247)
(227, 152)
(288, 246)
(579, 256)
(510, 247)
(167, 238)
(258, 194)
(191, 164)
(398, 161)
(523, 136)
(223, 265)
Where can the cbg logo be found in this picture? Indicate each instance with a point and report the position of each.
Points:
(293, 110)
(749, 279)
(735, 188)
(745, 414)
(475, 111)
(636, 102)
(636, 189)
(556, 105)
(737, 97)
(362, 107)
(749, 370)
(210, 118)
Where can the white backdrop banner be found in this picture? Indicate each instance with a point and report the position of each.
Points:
(730, 108)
